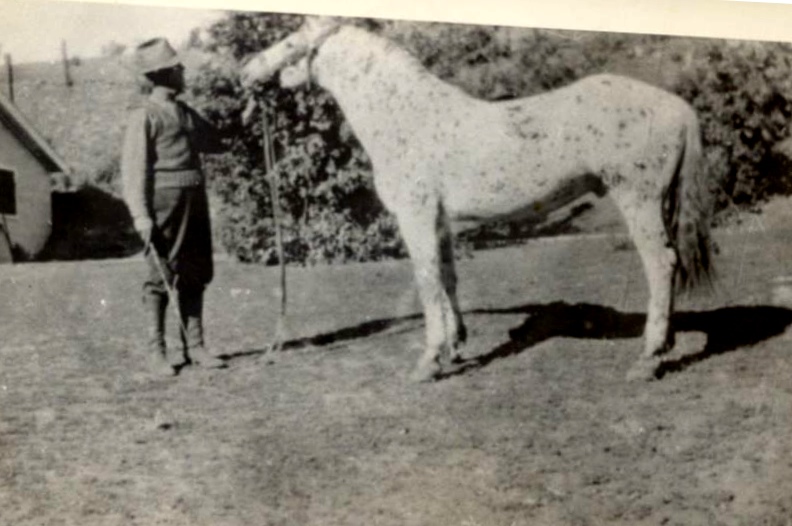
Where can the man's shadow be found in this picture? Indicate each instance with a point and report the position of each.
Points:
(726, 329)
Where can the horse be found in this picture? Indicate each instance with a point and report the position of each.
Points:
(442, 158)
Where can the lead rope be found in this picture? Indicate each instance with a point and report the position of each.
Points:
(274, 181)
(151, 251)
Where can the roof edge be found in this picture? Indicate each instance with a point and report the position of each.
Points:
(30, 137)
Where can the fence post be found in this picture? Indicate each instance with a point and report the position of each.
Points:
(10, 71)
(66, 72)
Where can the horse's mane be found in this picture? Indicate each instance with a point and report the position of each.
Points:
(395, 60)
(388, 47)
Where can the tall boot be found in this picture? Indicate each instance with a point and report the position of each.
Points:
(191, 309)
(156, 351)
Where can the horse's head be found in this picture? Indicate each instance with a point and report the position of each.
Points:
(292, 52)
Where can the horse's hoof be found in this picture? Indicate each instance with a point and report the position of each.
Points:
(425, 373)
(644, 370)
(690, 343)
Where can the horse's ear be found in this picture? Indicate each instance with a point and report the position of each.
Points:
(320, 24)
(335, 21)
(310, 21)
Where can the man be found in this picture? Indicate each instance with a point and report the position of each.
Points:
(165, 191)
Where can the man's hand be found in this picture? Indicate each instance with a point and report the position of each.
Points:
(145, 235)
(250, 109)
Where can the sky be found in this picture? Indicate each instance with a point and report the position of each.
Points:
(32, 30)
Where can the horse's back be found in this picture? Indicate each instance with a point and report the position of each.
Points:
(616, 90)
(604, 97)
(601, 118)
(543, 150)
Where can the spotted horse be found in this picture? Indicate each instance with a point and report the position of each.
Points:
(443, 160)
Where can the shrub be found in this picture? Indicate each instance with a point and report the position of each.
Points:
(330, 211)
(741, 90)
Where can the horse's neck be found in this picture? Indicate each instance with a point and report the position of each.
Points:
(366, 73)
(352, 55)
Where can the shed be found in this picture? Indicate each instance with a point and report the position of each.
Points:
(27, 165)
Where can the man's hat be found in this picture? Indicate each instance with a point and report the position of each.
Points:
(153, 55)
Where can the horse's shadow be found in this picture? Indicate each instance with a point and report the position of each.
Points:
(726, 329)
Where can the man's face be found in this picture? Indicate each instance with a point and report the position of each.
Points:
(176, 78)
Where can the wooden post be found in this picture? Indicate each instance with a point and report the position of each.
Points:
(66, 72)
(277, 218)
(10, 71)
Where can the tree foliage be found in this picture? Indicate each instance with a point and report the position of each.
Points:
(743, 94)
(330, 210)
(331, 214)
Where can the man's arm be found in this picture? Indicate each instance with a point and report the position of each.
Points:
(206, 137)
(135, 157)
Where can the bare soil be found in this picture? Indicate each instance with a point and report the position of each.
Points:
(540, 431)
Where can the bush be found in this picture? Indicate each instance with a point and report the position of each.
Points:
(741, 90)
(90, 222)
(330, 210)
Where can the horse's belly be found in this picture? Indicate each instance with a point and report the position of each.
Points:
(513, 200)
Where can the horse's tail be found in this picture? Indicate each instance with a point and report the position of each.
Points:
(689, 206)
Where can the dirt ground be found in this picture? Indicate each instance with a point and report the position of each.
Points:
(330, 432)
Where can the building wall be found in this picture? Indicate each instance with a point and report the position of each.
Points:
(30, 226)
(5, 250)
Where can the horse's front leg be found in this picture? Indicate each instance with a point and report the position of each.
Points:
(423, 233)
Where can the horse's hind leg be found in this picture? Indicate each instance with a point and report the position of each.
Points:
(449, 277)
(644, 218)
(422, 229)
